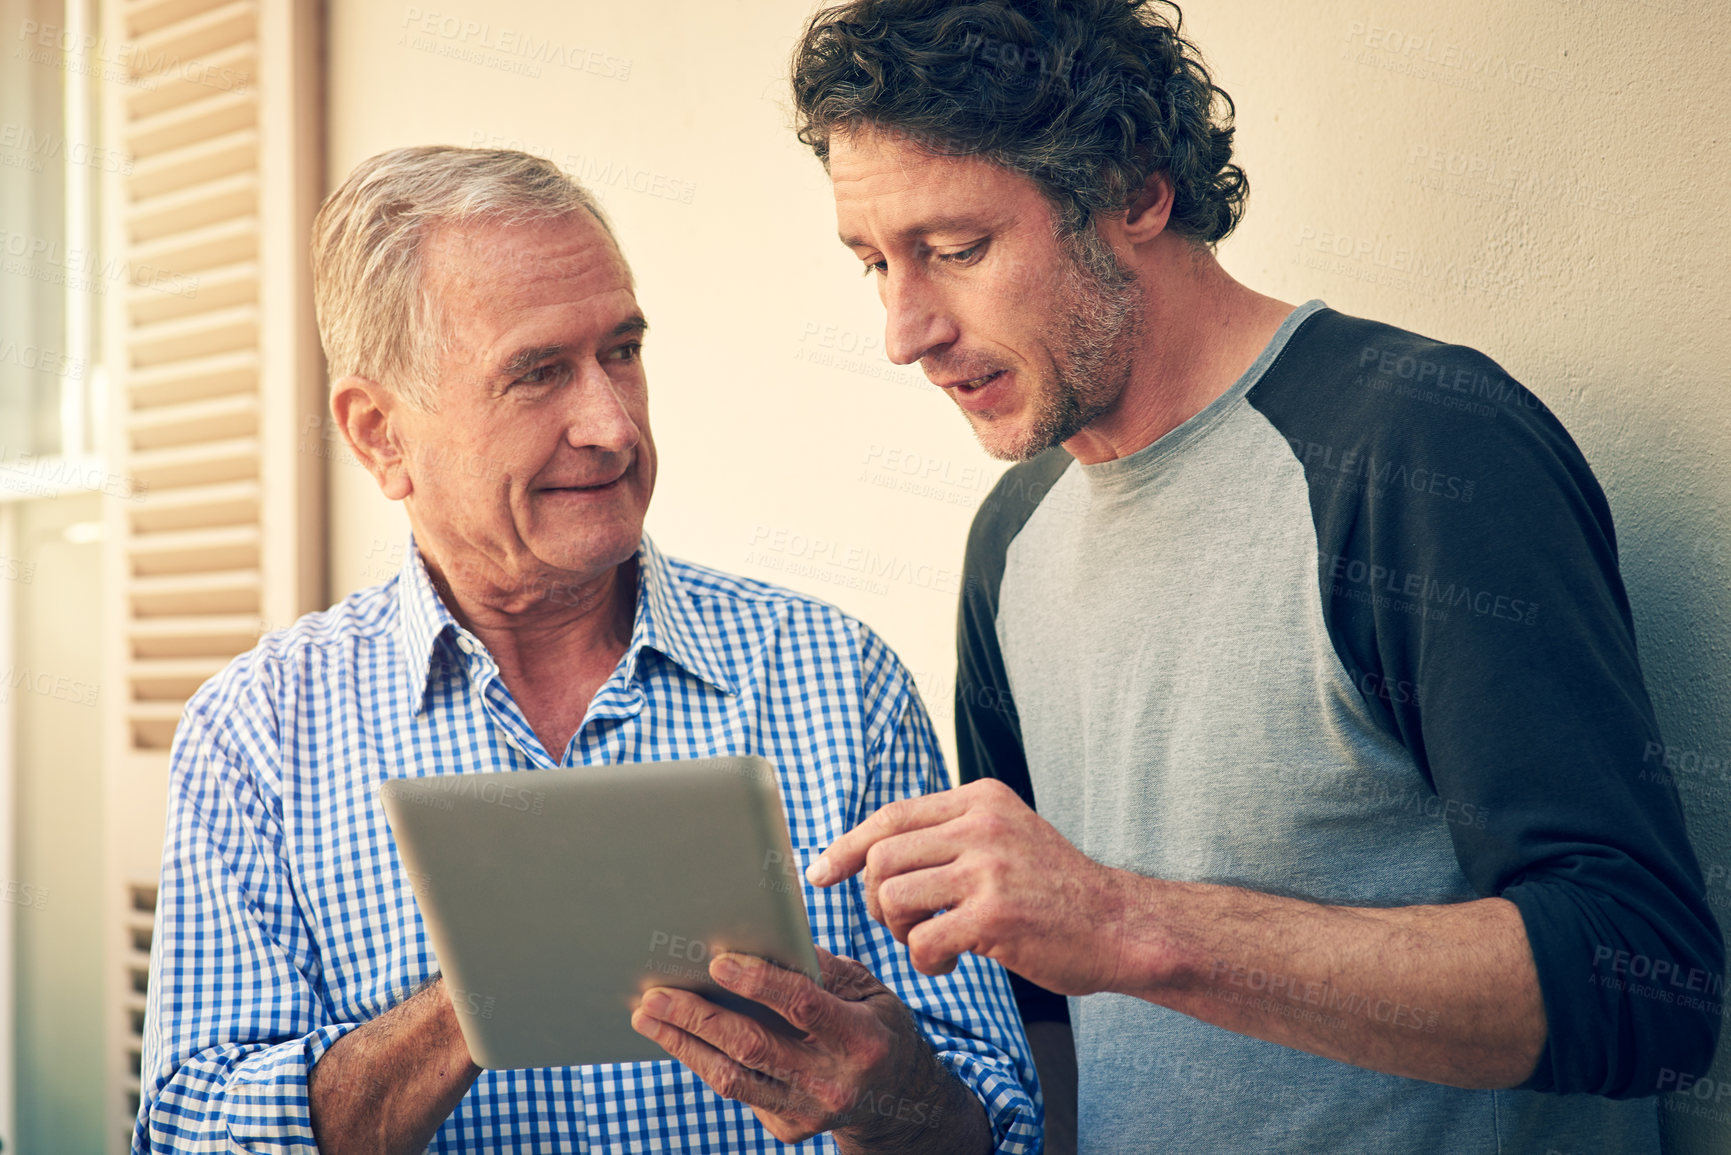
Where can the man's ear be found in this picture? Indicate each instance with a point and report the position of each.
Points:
(367, 413)
(1147, 214)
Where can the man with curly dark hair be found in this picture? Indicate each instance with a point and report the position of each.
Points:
(1306, 634)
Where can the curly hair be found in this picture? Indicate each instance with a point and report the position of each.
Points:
(1087, 98)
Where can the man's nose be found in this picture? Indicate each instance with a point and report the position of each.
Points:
(600, 415)
(916, 322)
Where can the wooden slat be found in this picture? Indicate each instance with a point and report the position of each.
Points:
(182, 381)
(205, 159)
(189, 254)
(194, 336)
(212, 419)
(195, 206)
(208, 116)
(168, 679)
(232, 69)
(194, 550)
(182, 45)
(219, 288)
(145, 16)
(202, 591)
(204, 636)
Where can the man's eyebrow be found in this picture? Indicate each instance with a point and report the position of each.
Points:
(526, 359)
(925, 228)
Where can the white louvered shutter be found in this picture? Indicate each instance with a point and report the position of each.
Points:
(214, 373)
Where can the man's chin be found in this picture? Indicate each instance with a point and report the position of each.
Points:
(1006, 438)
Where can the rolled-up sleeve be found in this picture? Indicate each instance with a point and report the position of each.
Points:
(233, 1022)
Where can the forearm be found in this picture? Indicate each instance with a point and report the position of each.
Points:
(388, 1086)
(937, 1115)
(1448, 994)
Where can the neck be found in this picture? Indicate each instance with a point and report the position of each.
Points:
(555, 636)
(1199, 331)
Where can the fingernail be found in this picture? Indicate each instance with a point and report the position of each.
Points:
(725, 969)
(818, 872)
(656, 1003)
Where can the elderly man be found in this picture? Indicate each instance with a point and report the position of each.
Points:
(1305, 634)
(486, 346)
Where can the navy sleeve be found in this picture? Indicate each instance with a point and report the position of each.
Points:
(988, 733)
(1468, 573)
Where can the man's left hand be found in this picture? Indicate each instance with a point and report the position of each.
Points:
(857, 1052)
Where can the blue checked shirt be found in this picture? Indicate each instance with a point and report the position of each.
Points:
(286, 920)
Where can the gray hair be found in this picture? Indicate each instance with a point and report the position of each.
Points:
(376, 317)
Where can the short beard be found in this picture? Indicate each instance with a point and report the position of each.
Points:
(1094, 331)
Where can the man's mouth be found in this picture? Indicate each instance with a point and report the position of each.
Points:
(592, 487)
(974, 384)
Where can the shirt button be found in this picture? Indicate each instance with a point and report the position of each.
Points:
(466, 645)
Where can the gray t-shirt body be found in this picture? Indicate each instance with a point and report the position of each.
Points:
(1184, 672)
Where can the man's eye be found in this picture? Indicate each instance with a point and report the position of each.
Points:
(878, 266)
(548, 374)
(965, 256)
(631, 351)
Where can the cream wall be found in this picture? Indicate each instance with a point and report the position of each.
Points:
(1544, 181)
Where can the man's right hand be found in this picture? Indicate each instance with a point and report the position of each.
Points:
(1011, 887)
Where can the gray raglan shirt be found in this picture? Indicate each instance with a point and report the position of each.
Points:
(1354, 633)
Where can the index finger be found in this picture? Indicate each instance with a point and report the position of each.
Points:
(846, 856)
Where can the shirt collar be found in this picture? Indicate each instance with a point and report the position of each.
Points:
(665, 620)
(669, 623)
(422, 620)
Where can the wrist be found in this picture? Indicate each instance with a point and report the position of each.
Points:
(922, 1114)
(1141, 935)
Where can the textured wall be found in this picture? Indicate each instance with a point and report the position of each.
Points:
(1544, 181)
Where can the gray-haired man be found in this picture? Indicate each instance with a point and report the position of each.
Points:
(485, 340)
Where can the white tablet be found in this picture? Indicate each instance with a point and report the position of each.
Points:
(555, 898)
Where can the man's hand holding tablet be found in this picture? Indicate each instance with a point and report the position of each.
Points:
(858, 1067)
